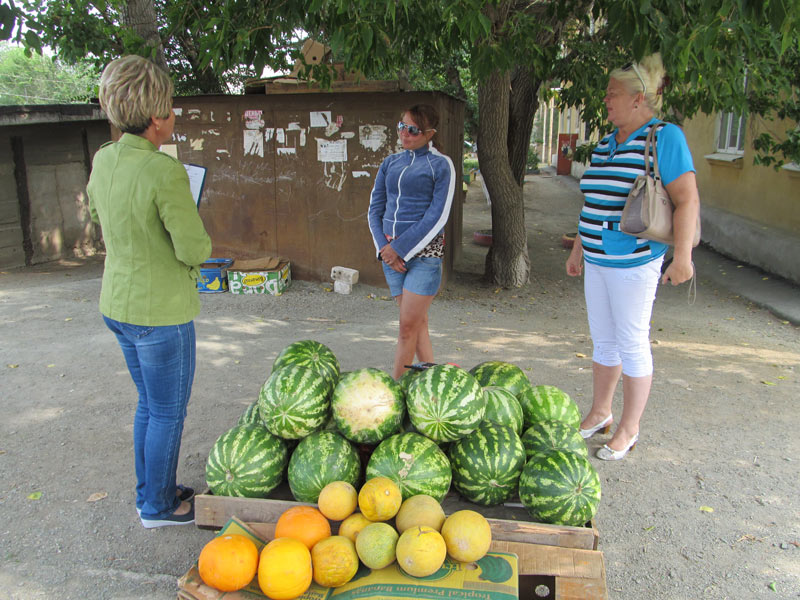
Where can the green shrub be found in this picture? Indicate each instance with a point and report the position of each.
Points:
(469, 164)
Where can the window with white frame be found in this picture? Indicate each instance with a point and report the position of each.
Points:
(731, 133)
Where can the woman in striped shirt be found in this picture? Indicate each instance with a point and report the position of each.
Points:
(622, 271)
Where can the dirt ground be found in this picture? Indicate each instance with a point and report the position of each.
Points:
(705, 507)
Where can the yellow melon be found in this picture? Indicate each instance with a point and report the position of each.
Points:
(284, 569)
(376, 545)
(338, 500)
(467, 534)
(421, 551)
(335, 561)
(420, 510)
(352, 525)
(379, 499)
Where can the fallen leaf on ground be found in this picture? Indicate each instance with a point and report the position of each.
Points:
(97, 496)
(68, 319)
(34, 496)
(765, 382)
(707, 509)
(580, 355)
(12, 366)
(773, 587)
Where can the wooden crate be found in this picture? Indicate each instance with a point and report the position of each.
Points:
(509, 522)
(566, 573)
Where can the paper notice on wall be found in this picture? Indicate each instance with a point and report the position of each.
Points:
(331, 150)
(320, 118)
(253, 142)
(372, 137)
(171, 149)
(252, 119)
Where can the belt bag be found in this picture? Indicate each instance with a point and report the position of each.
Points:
(648, 208)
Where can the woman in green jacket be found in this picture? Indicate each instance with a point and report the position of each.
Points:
(155, 242)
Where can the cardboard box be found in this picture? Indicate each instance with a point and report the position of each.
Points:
(214, 275)
(268, 275)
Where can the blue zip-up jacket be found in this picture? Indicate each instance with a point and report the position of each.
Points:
(411, 199)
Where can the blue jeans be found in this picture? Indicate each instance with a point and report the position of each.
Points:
(161, 361)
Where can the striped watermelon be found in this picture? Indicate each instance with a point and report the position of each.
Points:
(502, 374)
(246, 461)
(314, 355)
(560, 488)
(406, 379)
(319, 459)
(367, 406)
(545, 436)
(503, 408)
(414, 462)
(294, 401)
(487, 464)
(548, 403)
(250, 416)
(445, 403)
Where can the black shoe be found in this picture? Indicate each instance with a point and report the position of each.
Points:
(186, 493)
(173, 519)
(183, 492)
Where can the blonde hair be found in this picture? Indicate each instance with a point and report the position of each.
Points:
(132, 90)
(644, 77)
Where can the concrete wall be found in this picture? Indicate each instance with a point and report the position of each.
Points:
(45, 157)
(750, 213)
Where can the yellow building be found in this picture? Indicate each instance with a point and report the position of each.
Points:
(749, 212)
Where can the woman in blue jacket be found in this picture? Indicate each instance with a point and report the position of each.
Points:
(408, 209)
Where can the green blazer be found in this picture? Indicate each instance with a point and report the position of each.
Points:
(155, 240)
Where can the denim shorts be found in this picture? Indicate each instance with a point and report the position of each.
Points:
(423, 276)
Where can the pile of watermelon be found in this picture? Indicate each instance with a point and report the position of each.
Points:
(488, 432)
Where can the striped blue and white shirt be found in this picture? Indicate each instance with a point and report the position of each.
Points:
(605, 186)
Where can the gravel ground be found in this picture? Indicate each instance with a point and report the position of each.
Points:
(705, 507)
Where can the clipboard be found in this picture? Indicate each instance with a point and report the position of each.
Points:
(197, 180)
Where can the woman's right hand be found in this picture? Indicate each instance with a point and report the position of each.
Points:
(391, 258)
(575, 260)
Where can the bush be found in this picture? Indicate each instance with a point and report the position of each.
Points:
(533, 159)
(469, 164)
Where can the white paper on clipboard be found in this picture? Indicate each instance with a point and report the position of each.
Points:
(197, 179)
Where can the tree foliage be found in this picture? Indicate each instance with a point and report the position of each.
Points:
(43, 79)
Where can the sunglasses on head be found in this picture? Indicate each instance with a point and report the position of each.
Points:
(411, 129)
(633, 66)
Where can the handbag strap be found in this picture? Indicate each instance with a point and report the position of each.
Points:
(651, 141)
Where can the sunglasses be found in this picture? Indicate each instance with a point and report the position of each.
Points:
(411, 129)
(633, 66)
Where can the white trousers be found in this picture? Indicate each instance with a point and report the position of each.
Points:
(619, 303)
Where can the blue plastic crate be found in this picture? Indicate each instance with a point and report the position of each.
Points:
(214, 275)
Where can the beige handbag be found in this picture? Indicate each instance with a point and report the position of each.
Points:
(648, 208)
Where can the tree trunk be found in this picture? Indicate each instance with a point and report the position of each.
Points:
(522, 108)
(140, 17)
(507, 263)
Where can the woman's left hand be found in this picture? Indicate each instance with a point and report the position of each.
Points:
(678, 272)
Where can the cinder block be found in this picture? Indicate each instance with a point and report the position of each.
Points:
(344, 275)
(342, 287)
